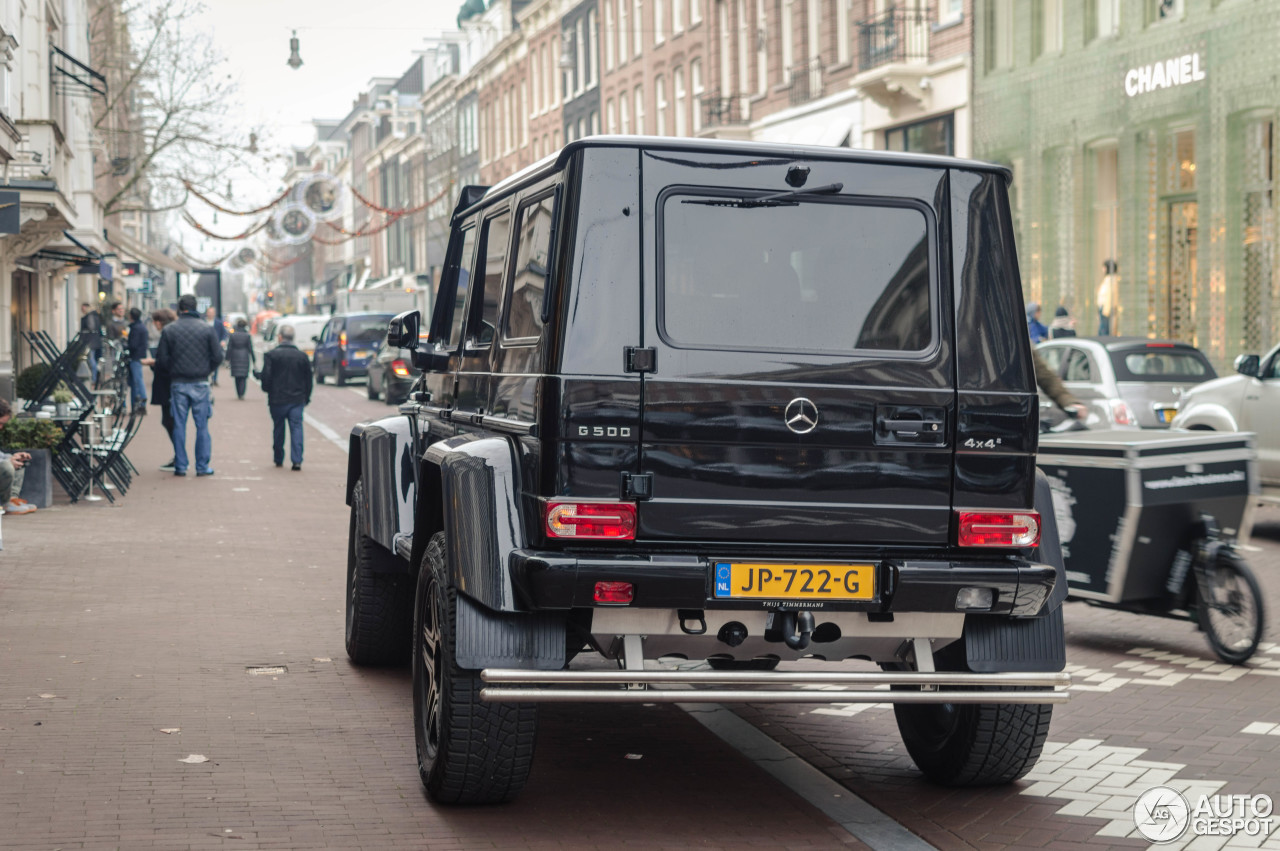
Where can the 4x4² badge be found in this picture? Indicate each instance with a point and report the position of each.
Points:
(801, 415)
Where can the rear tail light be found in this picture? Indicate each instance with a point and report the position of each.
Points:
(342, 339)
(614, 521)
(400, 368)
(999, 529)
(1159, 345)
(1120, 413)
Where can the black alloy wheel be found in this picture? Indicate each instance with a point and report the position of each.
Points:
(469, 751)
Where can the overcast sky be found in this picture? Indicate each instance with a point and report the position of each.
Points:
(343, 44)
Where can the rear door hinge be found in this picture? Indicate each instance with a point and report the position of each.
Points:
(640, 360)
(637, 486)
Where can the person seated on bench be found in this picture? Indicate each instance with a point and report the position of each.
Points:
(12, 471)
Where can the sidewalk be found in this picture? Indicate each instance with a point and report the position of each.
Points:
(119, 623)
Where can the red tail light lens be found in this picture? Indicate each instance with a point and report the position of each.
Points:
(400, 368)
(616, 593)
(999, 529)
(614, 521)
(1120, 413)
(342, 339)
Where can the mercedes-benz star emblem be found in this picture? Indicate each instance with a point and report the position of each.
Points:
(801, 415)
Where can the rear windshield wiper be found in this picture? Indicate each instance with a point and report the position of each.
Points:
(779, 199)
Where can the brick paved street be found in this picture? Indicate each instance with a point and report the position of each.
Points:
(120, 622)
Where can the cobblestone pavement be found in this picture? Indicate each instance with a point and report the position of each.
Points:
(127, 635)
(1151, 706)
(131, 715)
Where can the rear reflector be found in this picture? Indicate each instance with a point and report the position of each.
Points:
(591, 520)
(617, 593)
(992, 529)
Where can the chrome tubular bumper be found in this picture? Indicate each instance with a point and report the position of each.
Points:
(767, 687)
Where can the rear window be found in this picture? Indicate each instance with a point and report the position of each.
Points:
(367, 329)
(819, 276)
(1161, 364)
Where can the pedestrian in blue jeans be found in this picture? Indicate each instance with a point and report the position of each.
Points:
(137, 354)
(189, 351)
(286, 378)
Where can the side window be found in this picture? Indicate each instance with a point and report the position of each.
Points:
(1079, 367)
(496, 237)
(464, 284)
(1053, 357)
(523, 311)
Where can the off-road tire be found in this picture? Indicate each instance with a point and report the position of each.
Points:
(469, 751)
(1236, 599)
(973, 744)
(379, 618)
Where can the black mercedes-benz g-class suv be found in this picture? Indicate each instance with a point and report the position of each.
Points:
(718, 401)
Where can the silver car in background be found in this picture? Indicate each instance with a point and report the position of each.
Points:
(1126, 382)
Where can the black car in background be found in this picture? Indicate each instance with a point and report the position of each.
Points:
(392, 375)
(347, 344)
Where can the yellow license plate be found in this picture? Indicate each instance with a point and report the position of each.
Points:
(1166, 415)
(779, 581)
(363, 353)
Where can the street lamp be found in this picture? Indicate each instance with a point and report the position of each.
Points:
(295, 60)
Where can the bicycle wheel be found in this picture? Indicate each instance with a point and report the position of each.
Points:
(1231, 609)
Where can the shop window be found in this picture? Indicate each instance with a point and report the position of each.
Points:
(999, 34)
(1105, 211)
(1159, 11)
(1182, 162)
(1047, 25)
(934, 136)
(1102, 19)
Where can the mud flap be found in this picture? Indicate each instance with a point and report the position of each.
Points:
(489, 639)
(993, 644)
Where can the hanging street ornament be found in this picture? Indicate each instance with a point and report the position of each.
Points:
(295, 60)
(272, 229)
(295, 223)
(323, 195)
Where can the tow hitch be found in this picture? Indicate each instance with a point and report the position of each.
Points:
(796, 627)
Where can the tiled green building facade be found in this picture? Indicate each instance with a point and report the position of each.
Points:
(1142, 131)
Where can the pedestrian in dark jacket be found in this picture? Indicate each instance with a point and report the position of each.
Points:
(240, 356)
(137, 354)
(160, 383)
(189, 351)
(286, 377)
(91, 331)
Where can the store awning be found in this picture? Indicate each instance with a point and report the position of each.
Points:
(835, 126)
(76, 253)
(144, 253)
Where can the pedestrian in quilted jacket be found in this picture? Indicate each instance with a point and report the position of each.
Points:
(189, 351)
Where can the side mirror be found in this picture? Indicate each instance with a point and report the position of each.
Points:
(1248, 365)
(402, 331)
(315, 339)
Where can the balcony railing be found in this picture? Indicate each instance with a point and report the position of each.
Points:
(720, 110)
(806, 82)
(895, 35)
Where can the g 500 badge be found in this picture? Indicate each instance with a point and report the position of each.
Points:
(604, 431)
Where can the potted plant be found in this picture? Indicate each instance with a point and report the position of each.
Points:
(62, 398)
(38, 438)
(28, 382)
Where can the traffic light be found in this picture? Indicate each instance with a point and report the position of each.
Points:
(131, 269)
